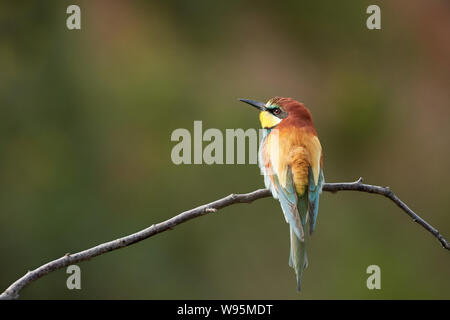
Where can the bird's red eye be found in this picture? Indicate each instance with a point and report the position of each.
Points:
(276, 111)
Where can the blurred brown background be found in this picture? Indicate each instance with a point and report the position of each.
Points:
(86, 118)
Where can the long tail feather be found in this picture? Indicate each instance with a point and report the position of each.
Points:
(298, 259)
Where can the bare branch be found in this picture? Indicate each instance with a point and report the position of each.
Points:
(387, 192)
(12, 292)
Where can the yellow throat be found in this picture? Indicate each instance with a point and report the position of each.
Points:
(268, 120)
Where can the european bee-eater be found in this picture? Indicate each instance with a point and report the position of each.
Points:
(290, 157)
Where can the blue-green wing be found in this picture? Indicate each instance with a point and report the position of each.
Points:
(314, 191)
(294, 209)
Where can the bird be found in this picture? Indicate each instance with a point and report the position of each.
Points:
(291, 160)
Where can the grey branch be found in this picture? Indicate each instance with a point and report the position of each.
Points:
(12, 292)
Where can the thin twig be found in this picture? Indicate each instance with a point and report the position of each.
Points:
(12, 292)
(387, 192)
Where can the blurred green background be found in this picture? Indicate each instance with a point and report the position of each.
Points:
(86, 118)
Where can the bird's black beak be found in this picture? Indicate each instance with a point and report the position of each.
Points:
(259, 105)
